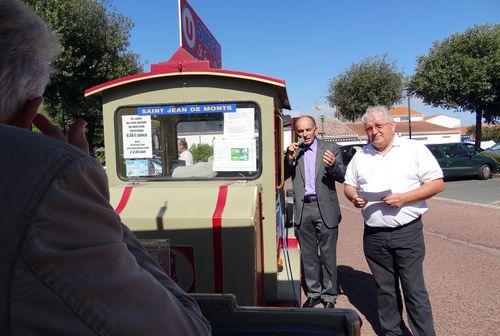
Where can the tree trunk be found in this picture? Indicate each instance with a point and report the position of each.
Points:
(479, 119)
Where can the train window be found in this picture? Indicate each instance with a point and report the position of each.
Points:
(189, 141)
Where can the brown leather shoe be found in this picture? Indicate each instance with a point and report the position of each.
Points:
(311, 302)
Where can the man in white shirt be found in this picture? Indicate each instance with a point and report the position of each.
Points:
(184, 153)
(407, 174)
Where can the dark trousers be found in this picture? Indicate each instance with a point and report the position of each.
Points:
(320, 270)
(397, 255)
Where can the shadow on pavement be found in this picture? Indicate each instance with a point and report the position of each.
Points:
(360, 289)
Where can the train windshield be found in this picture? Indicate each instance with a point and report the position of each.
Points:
(189, 141)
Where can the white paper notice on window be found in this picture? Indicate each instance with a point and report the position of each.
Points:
(137, 140)
(235, 155)
(240, 124)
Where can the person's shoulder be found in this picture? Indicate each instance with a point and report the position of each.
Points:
(406, 141)
(32, 162)
(362, 151)
(411, 144)
(31, 149)
(366, 149)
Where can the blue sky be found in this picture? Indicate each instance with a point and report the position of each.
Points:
(306, 43)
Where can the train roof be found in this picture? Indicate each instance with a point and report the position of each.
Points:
(183, 64)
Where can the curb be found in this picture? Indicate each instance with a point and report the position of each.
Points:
(490, 206)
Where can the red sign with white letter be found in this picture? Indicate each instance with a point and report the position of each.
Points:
(196, 38)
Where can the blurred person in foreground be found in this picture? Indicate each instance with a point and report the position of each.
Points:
(68, 266)
(314, 166)
(393, 242)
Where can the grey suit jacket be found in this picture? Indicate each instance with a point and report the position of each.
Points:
(67, 264)
(325, 183)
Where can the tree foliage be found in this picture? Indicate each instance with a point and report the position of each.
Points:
(201, 152)
(463, 72)
(374, 81)
(494, 156)
(95, 45)
(488, 132)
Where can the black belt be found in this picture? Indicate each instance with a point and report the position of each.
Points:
(310, 198)
(371, 229)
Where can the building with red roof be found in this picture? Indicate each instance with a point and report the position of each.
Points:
(427, 130)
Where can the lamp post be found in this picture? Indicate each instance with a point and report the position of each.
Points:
(409, 113)
(322, 117)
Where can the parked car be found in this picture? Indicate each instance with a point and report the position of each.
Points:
(495, 149)
(468, 146)
(457, 161)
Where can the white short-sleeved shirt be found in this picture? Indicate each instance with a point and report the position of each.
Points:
(405, 166)
(186, 156)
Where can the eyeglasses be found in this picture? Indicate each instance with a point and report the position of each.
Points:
(378, 127)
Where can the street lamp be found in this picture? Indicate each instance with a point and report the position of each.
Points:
(409, 112)
(322, 117)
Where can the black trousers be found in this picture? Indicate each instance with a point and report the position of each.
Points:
(320, 269)
(397, 254)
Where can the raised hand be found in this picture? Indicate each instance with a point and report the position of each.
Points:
(291, 151)
(329, 158)
(76, 132)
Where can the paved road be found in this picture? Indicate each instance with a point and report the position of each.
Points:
(462, 268)
(475, 191)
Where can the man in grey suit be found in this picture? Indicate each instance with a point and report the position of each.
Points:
(67, 264)
(314, 165)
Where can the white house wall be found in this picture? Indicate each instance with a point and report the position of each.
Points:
(405, 118)
(445, 121)
(435, 138)
(193, 139)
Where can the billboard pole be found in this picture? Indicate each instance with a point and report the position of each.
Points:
(180, 22)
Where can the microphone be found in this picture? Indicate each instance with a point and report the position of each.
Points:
(300, 142)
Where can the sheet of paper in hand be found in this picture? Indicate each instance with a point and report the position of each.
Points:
(374, 196)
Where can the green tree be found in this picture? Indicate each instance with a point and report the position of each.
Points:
(201, 152)
(95, 45)
(374, 81)
(463, 72)
(488, 132)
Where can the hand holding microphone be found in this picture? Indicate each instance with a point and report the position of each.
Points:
(300, 142)
(292, 149)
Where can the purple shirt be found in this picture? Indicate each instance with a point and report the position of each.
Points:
(310, 167)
